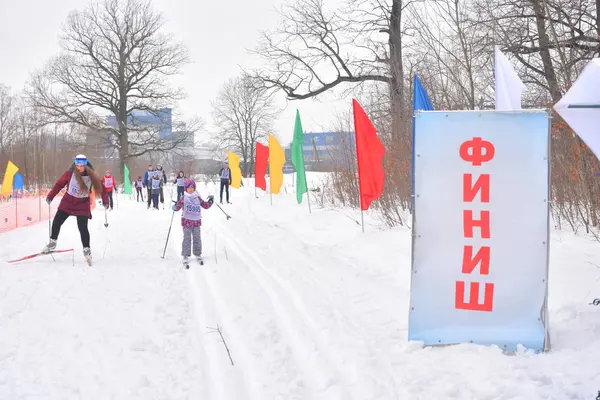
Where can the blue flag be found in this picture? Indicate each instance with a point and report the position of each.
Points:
(18, 182)
(420, 102)
(420, 98)
(18, 186)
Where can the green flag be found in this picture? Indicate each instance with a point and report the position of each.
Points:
(127, 189)
(298, 159)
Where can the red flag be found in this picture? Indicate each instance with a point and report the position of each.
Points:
(369, 155)
(260, 166)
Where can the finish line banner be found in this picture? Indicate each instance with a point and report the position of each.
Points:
(481, 229)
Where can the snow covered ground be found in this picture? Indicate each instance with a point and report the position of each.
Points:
(309, 306)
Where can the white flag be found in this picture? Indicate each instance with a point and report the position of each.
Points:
(580, 106)
(509, 86)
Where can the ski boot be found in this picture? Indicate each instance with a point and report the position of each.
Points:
(87, 253)
(186, 262)
(200, 260)
(50, 247)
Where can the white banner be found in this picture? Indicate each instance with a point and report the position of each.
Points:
(481, 228)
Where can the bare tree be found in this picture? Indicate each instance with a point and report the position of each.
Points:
(7, 123)
(455, 64)
(115, 61)
(316, 50)
(244, 113)
(552, 39)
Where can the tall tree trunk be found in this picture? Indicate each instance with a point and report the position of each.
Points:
(122, 117)
(598, 21)
(396, 70)
(544, 40)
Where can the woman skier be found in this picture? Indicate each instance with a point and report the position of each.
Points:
(180, 180)
(139, 184)
(156, 185)
(163, 177)
(225, 175)
(80, 179)
(109, 183)
(191, 220)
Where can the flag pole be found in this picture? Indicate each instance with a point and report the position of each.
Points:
(307, 191)
(270, 191)
(362, 220)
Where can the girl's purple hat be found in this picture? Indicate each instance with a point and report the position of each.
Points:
(189, 183)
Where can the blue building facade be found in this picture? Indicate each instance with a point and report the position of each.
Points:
(162, 120)
(324, 151)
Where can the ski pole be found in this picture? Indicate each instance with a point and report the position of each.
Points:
(108, 238)
(49, 221)
(50, 227)
(168, 234)
(227, 215)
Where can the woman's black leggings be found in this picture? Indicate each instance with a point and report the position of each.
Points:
(82, 224)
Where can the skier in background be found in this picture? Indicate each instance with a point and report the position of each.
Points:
(225, 175)
(179, 181)
(191, 220)
(139, 184)
(163, 177)
(109, 183)
(80, 179)
(156, 184)
(147, 184)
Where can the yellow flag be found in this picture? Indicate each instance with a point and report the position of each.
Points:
(7, 183)
(276, 161)
(234, 168)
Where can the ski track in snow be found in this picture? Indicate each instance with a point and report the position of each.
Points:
(226, 381)
(332, 286)
(310, 353)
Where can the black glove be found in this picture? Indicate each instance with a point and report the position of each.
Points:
(211, 199)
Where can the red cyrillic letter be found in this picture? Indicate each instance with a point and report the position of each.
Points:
(482, 257)
(477, 151)
(469, 223)
(482, 185)
(473, 304)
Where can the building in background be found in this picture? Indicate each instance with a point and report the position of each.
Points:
(324, 151)
(162, 121)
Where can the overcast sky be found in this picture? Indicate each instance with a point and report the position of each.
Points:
(217, 34)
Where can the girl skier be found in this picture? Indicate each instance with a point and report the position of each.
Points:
(163, 176)
(109, 183)
(225, 175)
(156, 184)
(180, 180)
(80, 179)
(148, 183)
(191, 219)
(138, 188)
